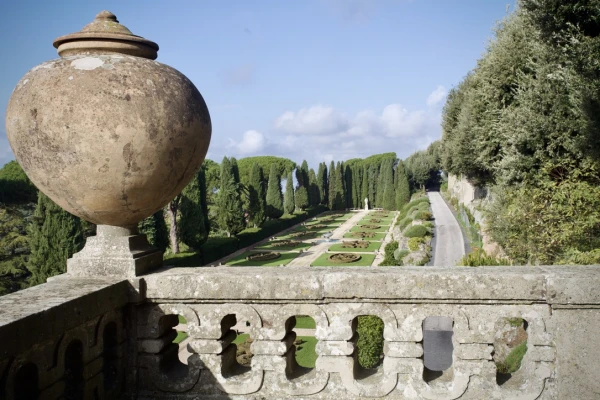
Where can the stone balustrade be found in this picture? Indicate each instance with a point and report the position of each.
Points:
(108, 339)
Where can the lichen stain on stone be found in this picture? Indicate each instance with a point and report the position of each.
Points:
(87, 63)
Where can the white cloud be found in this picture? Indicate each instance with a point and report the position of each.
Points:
(252, 143)
(437, 96)
(316, 120)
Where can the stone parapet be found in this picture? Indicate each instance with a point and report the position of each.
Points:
(97, 337)
(64, 337)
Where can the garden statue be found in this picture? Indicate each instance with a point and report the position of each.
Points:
(366, 204)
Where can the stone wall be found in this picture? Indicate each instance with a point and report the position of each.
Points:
(102, 339)
(558, 305)
(473, 197)
(64, 338)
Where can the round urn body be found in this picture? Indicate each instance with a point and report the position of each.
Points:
(110, 138)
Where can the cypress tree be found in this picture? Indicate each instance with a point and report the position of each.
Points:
(54, 235)
(302, 172)
(372, 186)
(155, 229)
(322, 184)
(402, 187)
(364, 194)
(340, 195)
(380, 186)
(313, 188)
(389, 192)
(288, 203)
(231, 213)
(274, 195)
(193, 222)
(302, 197)
(257, 196)
(348, 186)
(331, 188)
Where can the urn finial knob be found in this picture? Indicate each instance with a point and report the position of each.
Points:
(105, 35)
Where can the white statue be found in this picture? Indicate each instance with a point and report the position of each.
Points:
(366, 204)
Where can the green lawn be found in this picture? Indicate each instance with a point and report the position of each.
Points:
(181, 319)
(240, 261)
(306, 355)
(241, 338)
(361, 228)
(323, 261)
(305, 322)
(184, 259)
(270, 246)
(338, 248)
(379, 213)
(378, 236)
(180, 337)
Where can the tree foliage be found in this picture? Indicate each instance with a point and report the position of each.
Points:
(54, 235)
(526, 121)
(15, 186)
(288, 200)
(274, 194)
(231, 213)
(283, 166)
(257, 196)
(194, 225)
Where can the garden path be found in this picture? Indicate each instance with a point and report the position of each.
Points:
(305, 258)
(449, 245)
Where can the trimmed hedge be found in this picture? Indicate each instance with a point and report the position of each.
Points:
(400, 254)
(405, 222)
(389, 260)
(219, 247)
(370, 340)
(416, 231)
(423, 215)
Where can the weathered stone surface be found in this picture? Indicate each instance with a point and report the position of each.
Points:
(46, 311)
(109, 137)
(403, 349)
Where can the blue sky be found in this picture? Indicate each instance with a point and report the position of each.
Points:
(307, 79)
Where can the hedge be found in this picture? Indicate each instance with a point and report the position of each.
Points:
(405, 222)
(219, 247)
(423, 215)
(370, 340)
(416, 231)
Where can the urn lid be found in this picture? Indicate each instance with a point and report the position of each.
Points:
(105, 35)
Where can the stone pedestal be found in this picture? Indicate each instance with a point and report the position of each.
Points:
(115, 251)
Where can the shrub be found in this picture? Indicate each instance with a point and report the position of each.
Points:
(428, 225)
(417, 231)
(389, 260)
(403, 223)
(480, 258)
(400, 254)
(413, 243)
(370, 340)
(423, 215)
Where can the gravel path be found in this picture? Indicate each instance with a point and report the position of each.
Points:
(449, 245)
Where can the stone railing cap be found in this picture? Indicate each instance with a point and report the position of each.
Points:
(105, 34)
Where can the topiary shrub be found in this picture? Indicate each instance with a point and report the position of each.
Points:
(423, 215)
(400, 254)
(405, 222)
(370, 340)
(428, 225)
(413, 243)
(416, 231)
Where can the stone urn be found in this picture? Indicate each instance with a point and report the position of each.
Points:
(109, 134)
